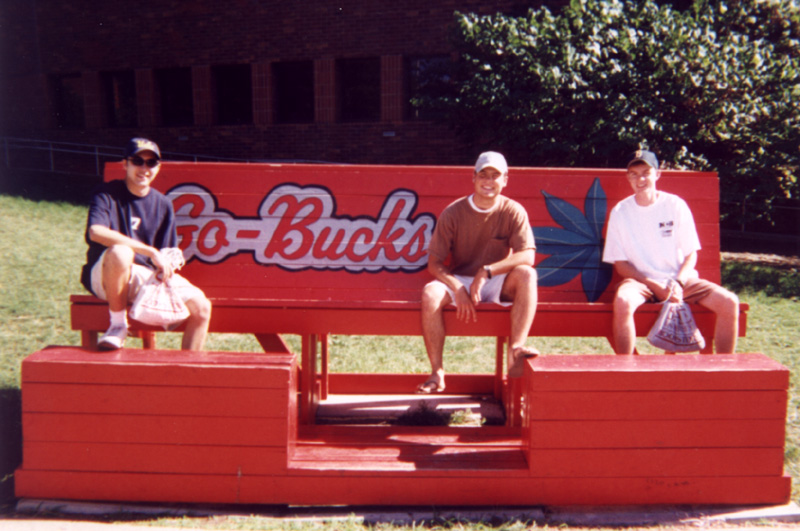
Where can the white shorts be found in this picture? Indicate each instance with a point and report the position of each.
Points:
(139, 275)
(490, 292)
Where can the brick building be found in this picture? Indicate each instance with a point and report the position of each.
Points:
(256, 79)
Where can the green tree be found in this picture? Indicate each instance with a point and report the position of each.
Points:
(714, 87)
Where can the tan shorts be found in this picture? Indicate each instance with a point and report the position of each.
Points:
(695, 290)
(139, 275)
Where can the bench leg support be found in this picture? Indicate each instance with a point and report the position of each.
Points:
(309, 390)
(273, 343)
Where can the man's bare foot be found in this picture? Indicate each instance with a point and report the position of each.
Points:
(434, 384)
(518, 357)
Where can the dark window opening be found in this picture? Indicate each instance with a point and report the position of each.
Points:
(428, 78)
(175, 96)
(294, 91)
(359, 89)
(68, 101)
(119, 90)
(233, 94)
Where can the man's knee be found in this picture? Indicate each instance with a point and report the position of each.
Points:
(521, 279)
(726, 303)
(625, 305)
(525, 275)
(118, 256)
(434, 297)
(200, 308)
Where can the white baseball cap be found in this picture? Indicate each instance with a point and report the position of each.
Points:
(492, 159)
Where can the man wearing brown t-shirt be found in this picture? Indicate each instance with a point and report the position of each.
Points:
(487, 243)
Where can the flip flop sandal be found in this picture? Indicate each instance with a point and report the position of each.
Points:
(429, 387)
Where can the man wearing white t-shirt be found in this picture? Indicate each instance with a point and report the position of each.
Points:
(652, 243)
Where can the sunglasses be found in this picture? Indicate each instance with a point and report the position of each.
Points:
(136, 160)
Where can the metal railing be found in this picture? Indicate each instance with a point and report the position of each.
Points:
(70, 157)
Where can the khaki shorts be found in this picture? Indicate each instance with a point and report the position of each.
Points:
(139, 275)
(695, 290)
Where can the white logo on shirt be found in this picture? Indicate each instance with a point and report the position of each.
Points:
(135, 222)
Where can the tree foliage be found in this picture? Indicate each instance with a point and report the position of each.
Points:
(715, 87)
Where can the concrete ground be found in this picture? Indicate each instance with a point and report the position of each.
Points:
(54, 515)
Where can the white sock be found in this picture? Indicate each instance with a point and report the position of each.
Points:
(119, 318)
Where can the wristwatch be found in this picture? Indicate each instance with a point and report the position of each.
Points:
(488, 271)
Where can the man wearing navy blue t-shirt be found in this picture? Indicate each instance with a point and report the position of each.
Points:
(129, 223)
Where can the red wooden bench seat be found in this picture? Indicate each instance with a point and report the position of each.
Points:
(333, 249)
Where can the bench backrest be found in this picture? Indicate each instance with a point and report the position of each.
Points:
(359, 233)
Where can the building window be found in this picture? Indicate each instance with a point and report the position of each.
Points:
(359, 89)
(175, 96)
(67, 91)
(427, 78)
(294, 91)
(233, 94)
(119, 90)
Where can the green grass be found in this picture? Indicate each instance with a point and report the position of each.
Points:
(43, 249)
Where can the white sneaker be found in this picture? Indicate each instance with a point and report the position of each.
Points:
(114, 338)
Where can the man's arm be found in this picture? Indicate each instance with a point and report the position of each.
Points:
(108, 237)
(627, 270)
(687, 266)
(662, 291)
(526, 257)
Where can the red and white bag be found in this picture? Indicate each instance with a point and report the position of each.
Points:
(158, 303)
(675, 329)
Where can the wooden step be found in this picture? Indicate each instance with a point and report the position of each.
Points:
(457, 450)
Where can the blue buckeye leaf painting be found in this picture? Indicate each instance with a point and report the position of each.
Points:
(577, 246)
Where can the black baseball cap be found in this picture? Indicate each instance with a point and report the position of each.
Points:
(138, 144)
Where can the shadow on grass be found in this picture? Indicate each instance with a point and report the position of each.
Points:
(48, 186)
(10, 441)
(743, 277)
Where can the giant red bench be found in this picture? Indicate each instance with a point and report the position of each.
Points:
(320, 250)
(317, 250)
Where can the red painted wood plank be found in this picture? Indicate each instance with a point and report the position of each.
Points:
(155, 429)
(661, 462)
(641, 373)
(388, 318)
(337, 435)
(154, 458)
(137, 487)
(503, 491)
(157, 357)
(154, 400)
(158, 368)
(373, 179)
(657, 405)
(412, 447)
(462, 460)
(706, 433)
(403, 488)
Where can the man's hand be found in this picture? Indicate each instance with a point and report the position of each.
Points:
(670, 291)
(478, 282)
(164, 269)
(465, 309)
(676, 291)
